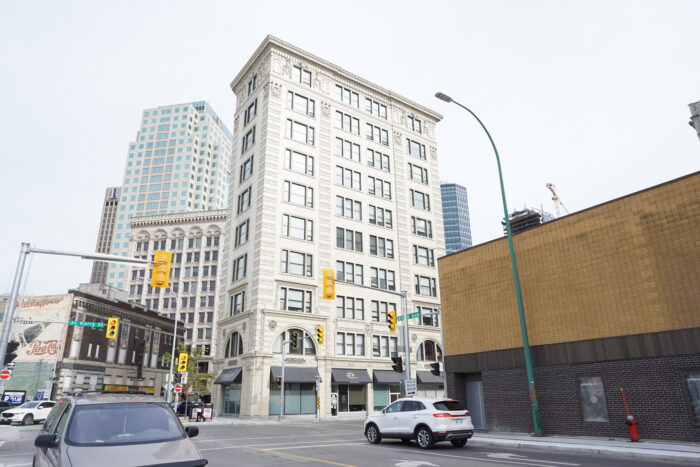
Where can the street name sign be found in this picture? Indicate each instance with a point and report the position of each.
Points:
(415, 314)
(87, 324)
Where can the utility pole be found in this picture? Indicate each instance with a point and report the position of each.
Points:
(284, 356)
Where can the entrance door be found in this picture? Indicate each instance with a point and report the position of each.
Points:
(475, 400)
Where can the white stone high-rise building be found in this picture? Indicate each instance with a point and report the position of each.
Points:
(178, 163)
(330, 171)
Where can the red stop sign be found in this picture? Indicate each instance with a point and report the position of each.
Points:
(177, 388)
(5, 374)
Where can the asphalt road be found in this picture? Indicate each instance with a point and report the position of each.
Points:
(338, 443)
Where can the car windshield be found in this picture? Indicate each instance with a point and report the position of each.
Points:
(29, 405)
(123, 423)
(449, 406)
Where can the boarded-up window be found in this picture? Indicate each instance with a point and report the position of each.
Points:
(593, 399)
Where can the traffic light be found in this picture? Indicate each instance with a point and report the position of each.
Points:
(320, 334)
(161, 270)
(112, 328)
(182, 362)
(295, 340)
(10, 354)
(435, 368)
(329, 284)
(391, 320)
(398, 364)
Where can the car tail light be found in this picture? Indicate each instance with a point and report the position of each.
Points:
(442, 414)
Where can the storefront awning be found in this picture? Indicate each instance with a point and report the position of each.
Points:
(387, 376)
(427, 377)
(352, 376)
(294, 374)
(229, 376)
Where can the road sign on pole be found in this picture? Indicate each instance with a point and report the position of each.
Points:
(183, 377)
(5, 374)
(410, 387)
(178, 388)
(168, 387)
(87, 324)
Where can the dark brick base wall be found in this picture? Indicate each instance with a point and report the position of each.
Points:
(655, 388)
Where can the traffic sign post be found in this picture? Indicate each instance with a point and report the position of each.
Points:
(183, 377)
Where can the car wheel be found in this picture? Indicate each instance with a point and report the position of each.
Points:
(424, 437)
(28, 419)
(459, 443)
(373, 435)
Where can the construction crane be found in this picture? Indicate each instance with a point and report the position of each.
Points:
(557, 202)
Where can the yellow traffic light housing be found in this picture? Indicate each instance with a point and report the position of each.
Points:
(329, 284)
(161, 270)
(182, 362)
(391, 320)
(112, 328)
(320, 334)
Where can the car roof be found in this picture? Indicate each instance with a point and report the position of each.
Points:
(86, 398)
(427, 400)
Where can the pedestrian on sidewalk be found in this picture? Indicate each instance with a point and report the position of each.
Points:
(200, 411)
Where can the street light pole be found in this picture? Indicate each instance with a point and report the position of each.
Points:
(284, 356)
(171, 381)
(536, 416)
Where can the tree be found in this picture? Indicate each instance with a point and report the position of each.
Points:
(199, 382)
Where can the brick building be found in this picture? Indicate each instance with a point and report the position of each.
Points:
(612, 300)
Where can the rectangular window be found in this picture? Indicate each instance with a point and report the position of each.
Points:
(242, 233)
(380, 216)
(421, 227)
(349, 344)
(248, 140)
(420, 200)
(378, 160)
(295, 300)
(379, 246)
(347, 149)
(298, 194)
(237, 303)
(298, 162)
(348, 178)
(349, 307)
(428, 316)
(239, 268)
(250, 112)
(301, 104)
(349, 208)
(244, 200)
(592, 396)
(347, 96)
(379, 310)
(301, 75)
(349, 272)
(300, 132)
(414, 124)
(252, 84)
(347, 123)
(348, 239)
(425, 286)
(375, 108)
(384, 346)
(378, 187)
(375, 133)
(423, 256)
(418, 173)
(382, 279)
(246, 169)
(416, 149)
(297, 227)
(294, 262)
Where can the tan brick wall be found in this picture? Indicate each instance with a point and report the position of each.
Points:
(630, 266)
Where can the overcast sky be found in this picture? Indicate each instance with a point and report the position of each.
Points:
(589, 95)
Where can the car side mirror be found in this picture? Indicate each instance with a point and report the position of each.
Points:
(192, 431)
(47, 441)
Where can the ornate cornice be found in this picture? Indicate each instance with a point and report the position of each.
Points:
(180, 218)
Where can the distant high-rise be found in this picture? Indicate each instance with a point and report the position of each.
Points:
(104, 236)
(178, 163)
(695, 116)
(455, 215)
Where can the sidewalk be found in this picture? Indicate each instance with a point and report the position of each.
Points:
(659, 450)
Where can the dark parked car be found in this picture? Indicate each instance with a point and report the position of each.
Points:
(183, 408)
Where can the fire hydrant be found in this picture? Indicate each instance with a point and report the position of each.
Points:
(630, 421)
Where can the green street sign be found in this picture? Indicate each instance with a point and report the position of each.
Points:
(87, 324)
(410, 315)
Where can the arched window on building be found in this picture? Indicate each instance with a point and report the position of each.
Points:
(305, 344)
(234, 345)
(429, 351)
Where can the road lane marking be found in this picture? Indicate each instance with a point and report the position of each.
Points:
(267, 444)
(313, 459)
(278, 437)
(17, 454)
(518, 457)
(480, 459)
(316, 446)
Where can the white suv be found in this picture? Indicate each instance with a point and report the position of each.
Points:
(428, 421)
(28, 413)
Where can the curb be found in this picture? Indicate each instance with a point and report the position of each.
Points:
(650, 453)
